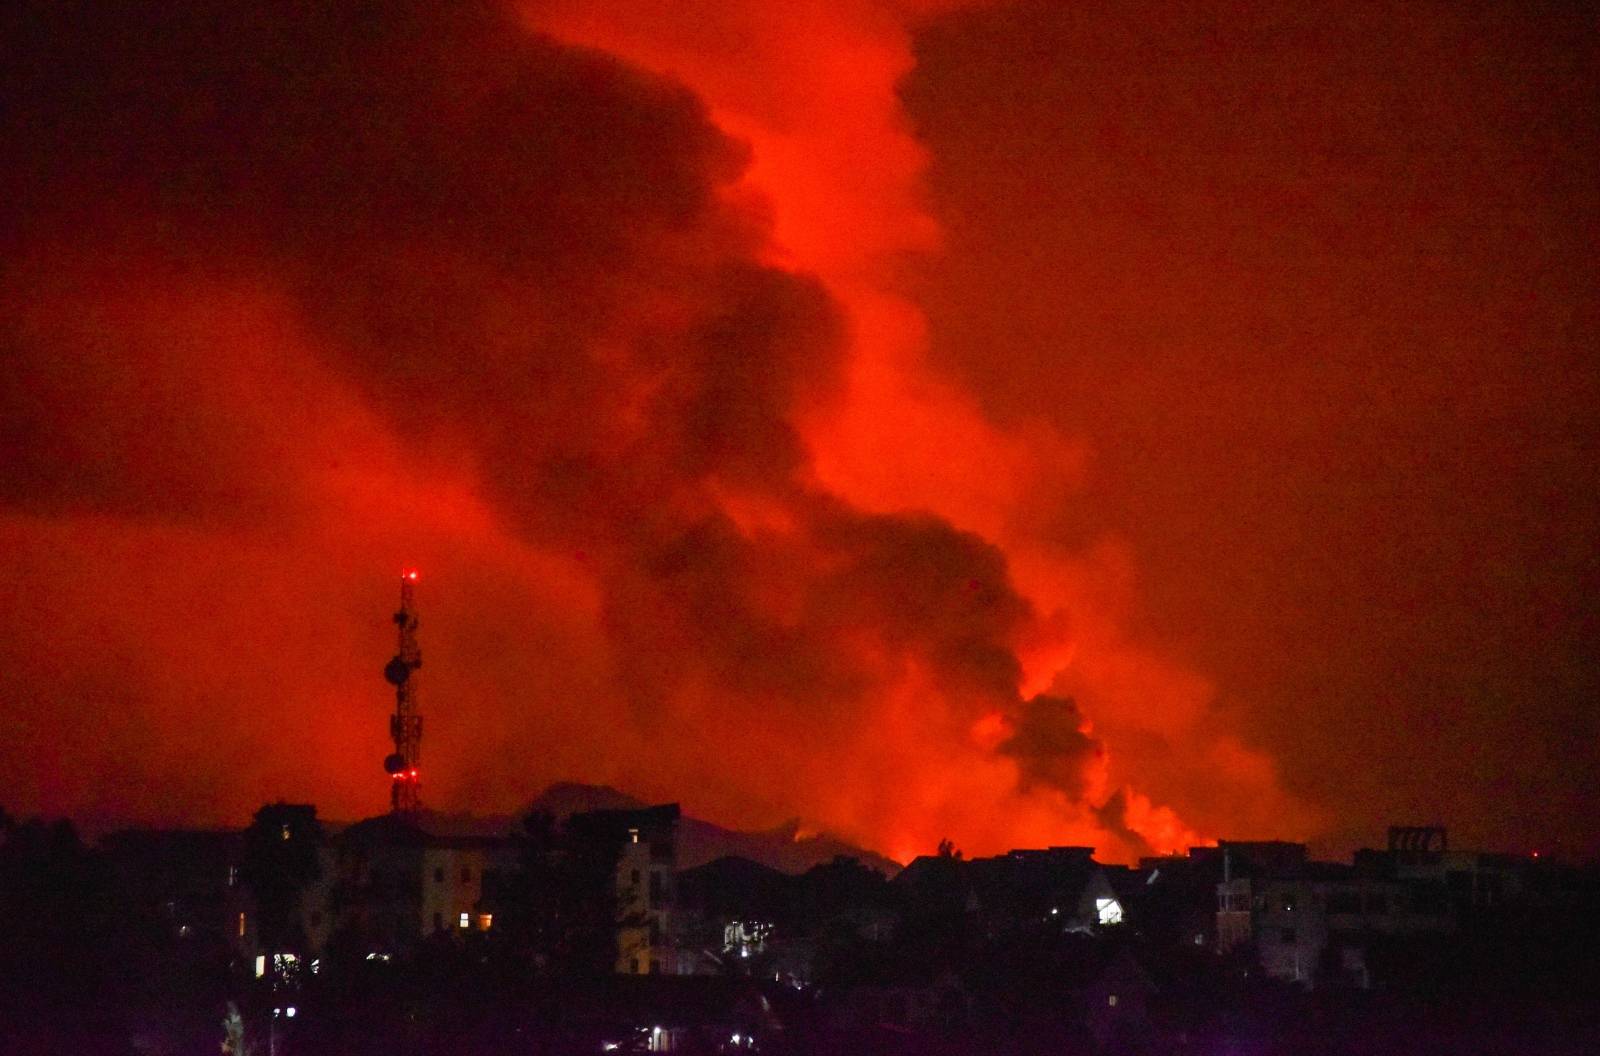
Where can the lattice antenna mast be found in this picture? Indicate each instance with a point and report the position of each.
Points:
(405, 725)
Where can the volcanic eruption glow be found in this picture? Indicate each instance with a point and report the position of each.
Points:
(615, 317)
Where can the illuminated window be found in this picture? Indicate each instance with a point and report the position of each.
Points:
(485, 921)
(1108, 910)
(1111, 1000)
(286, 832)
(241, 925)
(233, 876)
(466, 920)
(261, 965)
(633, 835)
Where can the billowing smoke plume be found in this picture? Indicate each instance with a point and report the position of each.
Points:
(1051, 747)
(293, 296)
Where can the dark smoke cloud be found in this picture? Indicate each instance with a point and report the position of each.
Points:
(1113, 814)
(462, 213)
(805, 616)
(270, 268)
(1051, 747)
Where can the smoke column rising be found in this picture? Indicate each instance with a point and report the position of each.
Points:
(813, 89)
(597, 318)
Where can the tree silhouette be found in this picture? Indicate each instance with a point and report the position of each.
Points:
(281, 856)
(560, 908)
(61, 938)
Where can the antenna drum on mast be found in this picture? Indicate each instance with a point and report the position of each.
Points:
(396, 671)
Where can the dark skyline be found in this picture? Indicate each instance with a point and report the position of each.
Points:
(1013, 423)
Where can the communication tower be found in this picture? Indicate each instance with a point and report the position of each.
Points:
(405, 725)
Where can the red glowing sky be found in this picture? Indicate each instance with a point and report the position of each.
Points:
(1023, 423)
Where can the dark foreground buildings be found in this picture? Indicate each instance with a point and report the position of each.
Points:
(426, 934)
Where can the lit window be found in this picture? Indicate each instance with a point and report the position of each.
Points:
(1111, 1000)
(261, 965)
(633, 835)
(466, 920)
(1108, 910)
(286, 832)
(241, 925)
(485, 921)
